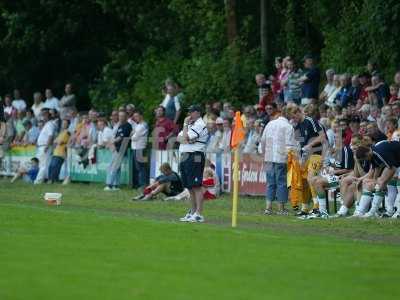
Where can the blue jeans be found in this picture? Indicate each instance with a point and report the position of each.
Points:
(139, 174)
(277, 182)
(55, 167)
(114, 171)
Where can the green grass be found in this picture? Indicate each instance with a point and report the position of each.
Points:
(100, 245)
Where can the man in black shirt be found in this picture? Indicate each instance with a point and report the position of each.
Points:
(168, 183)
(121, 141)
(385, 159)
(311, 137)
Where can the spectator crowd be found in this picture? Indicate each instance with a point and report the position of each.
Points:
(313, 137)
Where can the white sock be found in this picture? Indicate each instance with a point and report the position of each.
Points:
(376, 201)
(322, 204)
(343, 210)
(364, 203)
(390, 198)
(397, 201)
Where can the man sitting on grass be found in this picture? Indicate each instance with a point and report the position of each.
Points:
(28, 174)
(169, 183)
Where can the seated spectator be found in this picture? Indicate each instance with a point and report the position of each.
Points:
(168, 183)
(394, 93)
(38, 104)
(209, 113)
(59, 153)
(330, 87)
(31, 133)
(28, 174)
(104, 134)
(364, 79)
(130, 110)
(164, 131)
(225, 144)
(3, 133)
(379, 91)
(330, 101)
(390, 128)
(211, 186)
(18, 103)
(248, 112)
(215, 135)
(374, 133)
(8, 109)
(19, 127)
(355, 89)
(386, 113)
(51, 101)
(343, 97)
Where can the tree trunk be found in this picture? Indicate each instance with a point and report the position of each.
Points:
(230, 7)
(264, 32)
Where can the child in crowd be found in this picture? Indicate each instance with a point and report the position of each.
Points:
(28, 174)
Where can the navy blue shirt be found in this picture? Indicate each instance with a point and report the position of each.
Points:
(382, 94)
(347, 159)
(174, 180)
(123, 131)
(307, 130)
(343, 98)
(386, 154)
(310, 87)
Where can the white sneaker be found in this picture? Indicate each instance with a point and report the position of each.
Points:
(357, 214)
(196, 218)
(107, 189)
(187, 217)
(370, 215)
(396, 215)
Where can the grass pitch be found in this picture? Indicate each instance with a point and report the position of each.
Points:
(100, 245)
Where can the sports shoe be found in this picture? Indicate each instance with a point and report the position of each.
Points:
(187, 217)
(396, 215)
(107, 189)
(268, 212)
(301, 213)
(338, 215)
(171, 198)
(138, 197)
(283, 212)
(196, 218)
(324, 215)
(370, 215)
(387, 214)
(356, 214)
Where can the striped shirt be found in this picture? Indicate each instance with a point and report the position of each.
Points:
(198, 135)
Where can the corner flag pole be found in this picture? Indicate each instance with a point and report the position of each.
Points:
(235, 186)
(237, 138)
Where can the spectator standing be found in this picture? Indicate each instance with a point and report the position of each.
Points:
(38, 104)
(215, 136)
(343, 98)
(8, 109)
(292, 91)
(277, 139)
(18, 103)
(31, 133)
(51, 101)
(164, 129)
(120, 146)
(171, 104)
(44, 146)
(3, 132)
(59, 153)
(67, 102)
(225, 144)
(105, 134)
(310, 81)
(139, 138)
(193, 139)
(114, 123)
(264, 90)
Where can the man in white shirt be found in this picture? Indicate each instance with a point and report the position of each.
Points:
(139, 137)
(37, 105)
(18, 103)
(277, 139)
(44, 149)
(193, 139)
(51, 101)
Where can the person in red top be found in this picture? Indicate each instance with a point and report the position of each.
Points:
(364, 79)
(163, 130)
(276, 85)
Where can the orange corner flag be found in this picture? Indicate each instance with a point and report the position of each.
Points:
(238, 133)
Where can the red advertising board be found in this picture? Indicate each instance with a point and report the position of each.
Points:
(252, 175)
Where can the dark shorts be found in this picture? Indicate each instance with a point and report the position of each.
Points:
(191, 168)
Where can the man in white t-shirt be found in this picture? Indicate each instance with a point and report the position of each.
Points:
(105, 134)
(193, 141)
(37, 104)
(139, 137)
(51, 101)
(18, 103)
(44, 146)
